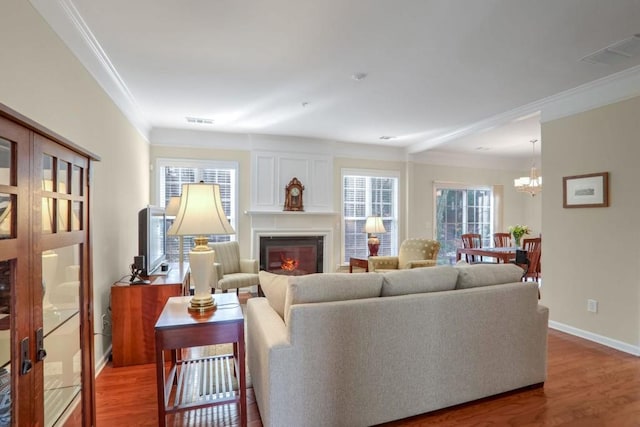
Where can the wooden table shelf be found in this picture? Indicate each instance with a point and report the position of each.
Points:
(195, 383)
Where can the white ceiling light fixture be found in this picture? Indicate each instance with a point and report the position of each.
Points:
(199, 120)
(531, 184)
(359, 76)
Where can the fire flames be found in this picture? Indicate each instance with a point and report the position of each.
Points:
(288, 264)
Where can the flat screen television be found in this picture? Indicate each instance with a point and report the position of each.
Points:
(152, 238)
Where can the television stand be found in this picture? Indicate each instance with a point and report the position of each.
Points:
(135, 310)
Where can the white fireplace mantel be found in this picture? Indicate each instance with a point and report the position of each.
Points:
(262, 213)
(284, 223)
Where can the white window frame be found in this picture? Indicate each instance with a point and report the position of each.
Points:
(460, 186)
(162, 163)
(370, 173)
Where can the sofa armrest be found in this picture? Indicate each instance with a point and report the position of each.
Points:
(249, 266)
(421, 263)
(269, 355)
(383, 263)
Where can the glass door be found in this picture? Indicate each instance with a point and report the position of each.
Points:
(16, 366)
(63, 236)
(7, 284)
(46, 324)
(461, 210)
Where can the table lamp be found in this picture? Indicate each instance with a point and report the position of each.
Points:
(201, 214)
(374, 225)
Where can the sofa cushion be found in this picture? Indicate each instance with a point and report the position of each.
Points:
(475, 275)
(274, 287)
(419, 280)
(325, 287)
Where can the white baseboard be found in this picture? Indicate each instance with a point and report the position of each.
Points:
(103, 361)
(600, 339)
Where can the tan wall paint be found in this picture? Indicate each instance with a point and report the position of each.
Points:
(518, 208)
(415, 190)
(593, 253)
(243, 233)
(42, 80)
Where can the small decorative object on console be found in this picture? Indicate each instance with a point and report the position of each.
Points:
(293, 196)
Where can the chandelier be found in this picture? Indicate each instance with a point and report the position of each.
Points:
(531, 184)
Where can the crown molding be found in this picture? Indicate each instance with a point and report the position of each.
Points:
(607, 90)
(470, 160)
(66, 21)
(171, 137)
(598, 93)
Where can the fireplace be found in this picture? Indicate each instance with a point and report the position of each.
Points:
(292, 255)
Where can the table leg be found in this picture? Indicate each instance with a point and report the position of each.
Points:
(243, 380)
(160, 385)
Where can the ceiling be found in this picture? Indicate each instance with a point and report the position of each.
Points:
(434, 70)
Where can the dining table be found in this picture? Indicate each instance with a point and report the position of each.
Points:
(501, 254)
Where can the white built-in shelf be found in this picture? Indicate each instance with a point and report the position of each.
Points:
(256, 213)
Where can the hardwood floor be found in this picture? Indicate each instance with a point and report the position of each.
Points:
(587, 385)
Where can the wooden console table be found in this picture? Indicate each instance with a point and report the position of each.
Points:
(134, 311)
(208, 381)
(358, 262)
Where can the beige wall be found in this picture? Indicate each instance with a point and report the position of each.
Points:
(517, 208)
(593, 253)
(415, 190)
(42, 80)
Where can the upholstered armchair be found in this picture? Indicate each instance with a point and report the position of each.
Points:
(231, 271)
(413, 253)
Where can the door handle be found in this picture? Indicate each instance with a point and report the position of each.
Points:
(25, 361)
(41, 353)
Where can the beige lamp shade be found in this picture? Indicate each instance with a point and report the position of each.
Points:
(172, 206)
(201, 214)
(374, 225)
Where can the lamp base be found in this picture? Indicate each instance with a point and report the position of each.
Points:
(374, 245)
(201, 305)
(201, 260)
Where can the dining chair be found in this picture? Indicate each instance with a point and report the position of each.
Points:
(533, 246)
(472, 240)
(501, 240)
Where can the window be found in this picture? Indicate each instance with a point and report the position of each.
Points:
(461, 210)
(173, 173)
(366, 193)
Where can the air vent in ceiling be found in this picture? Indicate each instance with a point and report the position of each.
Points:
(617, 53)
(199, 120)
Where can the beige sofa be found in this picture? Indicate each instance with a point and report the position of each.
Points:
(361, 349)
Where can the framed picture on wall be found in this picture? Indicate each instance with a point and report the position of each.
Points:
(586, 191)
